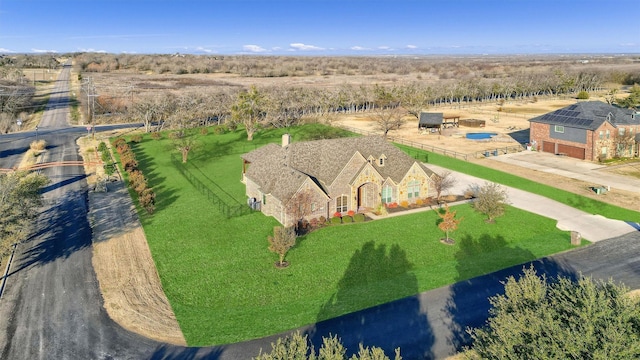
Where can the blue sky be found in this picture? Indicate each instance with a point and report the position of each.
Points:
(321, 27)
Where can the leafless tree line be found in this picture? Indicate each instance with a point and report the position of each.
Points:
(286, 106)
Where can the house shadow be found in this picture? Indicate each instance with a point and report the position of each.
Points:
(469, 298)
(521, 136)
(400, 323)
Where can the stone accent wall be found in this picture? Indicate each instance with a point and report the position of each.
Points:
(341, 184)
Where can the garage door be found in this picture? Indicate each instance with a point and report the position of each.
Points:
(549, 147)
(572, 151)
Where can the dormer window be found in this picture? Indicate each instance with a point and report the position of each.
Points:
(381, 160)
(371, 160)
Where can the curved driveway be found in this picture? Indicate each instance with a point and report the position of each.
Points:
(52, 308)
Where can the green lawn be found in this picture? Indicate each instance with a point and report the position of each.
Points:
(574, 200)
(219, 275)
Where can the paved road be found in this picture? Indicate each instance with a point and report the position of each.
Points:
(52, 308)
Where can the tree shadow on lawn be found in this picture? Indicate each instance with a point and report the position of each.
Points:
(164, 196)
(468, 304)
(401, 323)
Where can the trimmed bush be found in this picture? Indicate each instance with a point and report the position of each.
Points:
(347, 219)
(136, 138)
(583, 95)
(336, 220)
(358, 218)
(156, 136)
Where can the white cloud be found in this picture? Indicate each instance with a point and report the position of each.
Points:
(304, 47)
(205, 50)
(358, 48)
(254, 48)
(411, 47)
(5, 50)
(43, 51)
(92, 50)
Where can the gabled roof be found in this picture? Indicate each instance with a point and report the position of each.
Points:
(427, 118)
(281, 170)
(588, 115)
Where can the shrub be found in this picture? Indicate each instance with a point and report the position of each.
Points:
(322, 220)
(176, 135)
(39, 145)
(102, 147)
(109, 169)
(419, 202)
(220, 129)
(358, 218)
(336, 220)
(156, 135)
(583, 95)
(351, 213)
(119, 142)
(404, 203)
(147, 199)
(347, 219)
(337, 214)
(204, 131)
(314, 223)
(136, 138)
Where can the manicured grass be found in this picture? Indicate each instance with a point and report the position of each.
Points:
(574, 200)
(219, 275)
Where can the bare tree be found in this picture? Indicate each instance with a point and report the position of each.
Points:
(299, 206)
(283, 239)
(443, 182)
(184, 142)
(490, 199)
(388, 119)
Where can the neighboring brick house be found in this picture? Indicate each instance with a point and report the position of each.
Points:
(342, 175)
(590, 130)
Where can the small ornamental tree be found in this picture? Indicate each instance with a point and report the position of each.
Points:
(184, 143)
(560, 319)
(448, 223)
(491, 199)
(283, 239)
(300, 206)
(443, 182)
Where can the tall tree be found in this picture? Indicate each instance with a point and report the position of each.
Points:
(249, 110)
(561, 319)
(388, 119)
(184, 141)
(491, 199)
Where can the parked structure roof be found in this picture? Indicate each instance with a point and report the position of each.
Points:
(589, 115)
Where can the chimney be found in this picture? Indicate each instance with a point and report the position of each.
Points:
(286, 140)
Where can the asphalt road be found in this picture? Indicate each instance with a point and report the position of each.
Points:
(52, 308)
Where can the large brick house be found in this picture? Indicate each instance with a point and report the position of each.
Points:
(590, 130)
(338, 175)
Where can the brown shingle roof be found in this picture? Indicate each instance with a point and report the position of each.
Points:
(281, 170)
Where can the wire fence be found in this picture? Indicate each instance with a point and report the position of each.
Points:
(227, 209)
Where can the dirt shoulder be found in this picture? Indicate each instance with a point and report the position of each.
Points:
(129, 282)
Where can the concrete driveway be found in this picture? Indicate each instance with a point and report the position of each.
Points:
(592, 227)
(570, 168)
